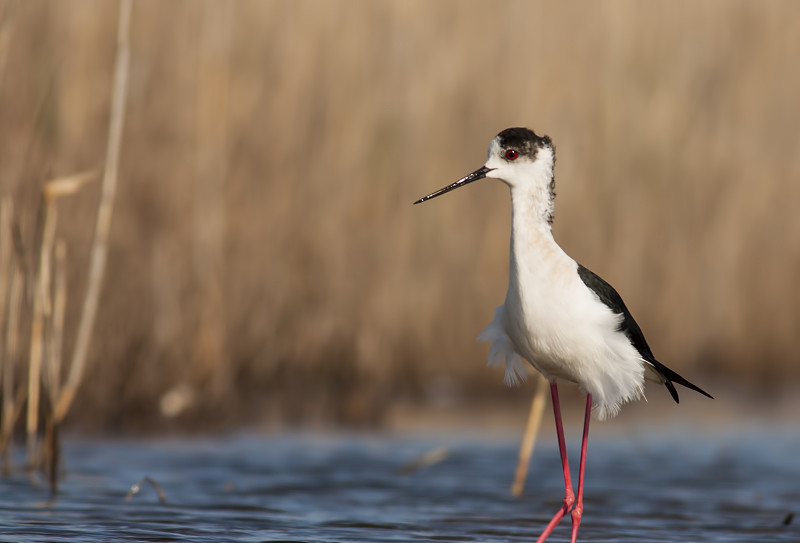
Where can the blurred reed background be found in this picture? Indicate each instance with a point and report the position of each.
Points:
(266, 265)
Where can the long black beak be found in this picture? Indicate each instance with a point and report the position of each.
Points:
(480, 173)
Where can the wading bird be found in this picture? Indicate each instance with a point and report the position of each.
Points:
(566, 321)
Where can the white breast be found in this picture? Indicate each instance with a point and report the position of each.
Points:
(551, 319)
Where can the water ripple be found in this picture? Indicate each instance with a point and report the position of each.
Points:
(728, 488)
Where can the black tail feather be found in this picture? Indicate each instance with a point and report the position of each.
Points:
(672, 391)
(672, 377)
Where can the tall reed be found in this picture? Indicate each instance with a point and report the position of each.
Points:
(265, 259)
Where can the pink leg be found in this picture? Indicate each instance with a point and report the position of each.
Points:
(569, 495)
(577, 512)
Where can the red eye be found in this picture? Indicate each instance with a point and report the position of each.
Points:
(511, 154)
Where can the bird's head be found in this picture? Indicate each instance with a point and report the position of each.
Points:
(520, 159)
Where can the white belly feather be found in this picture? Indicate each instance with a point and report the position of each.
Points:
(565, 332)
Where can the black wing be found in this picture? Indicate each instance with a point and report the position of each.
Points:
(628, 326)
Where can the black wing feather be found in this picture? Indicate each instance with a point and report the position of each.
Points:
(628, 326)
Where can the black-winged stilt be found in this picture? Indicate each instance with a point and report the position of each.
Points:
(566, 321)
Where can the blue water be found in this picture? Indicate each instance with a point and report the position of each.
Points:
(728, 487)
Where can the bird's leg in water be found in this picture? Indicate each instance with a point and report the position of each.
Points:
(569, 495)
(577, 511)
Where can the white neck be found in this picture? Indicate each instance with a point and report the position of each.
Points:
(533, 249)
(533, 199)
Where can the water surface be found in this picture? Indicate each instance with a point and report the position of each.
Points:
(731, 487)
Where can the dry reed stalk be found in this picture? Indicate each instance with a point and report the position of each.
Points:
(51, 451)
(56, 332)
(439, 454)
(7, 307)
(42, 304)
(41, 309)
(529, 439)
(52, 382)
(105, 210)
(211, 156)
(6, 18)
(6, 208)
(12, 398)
